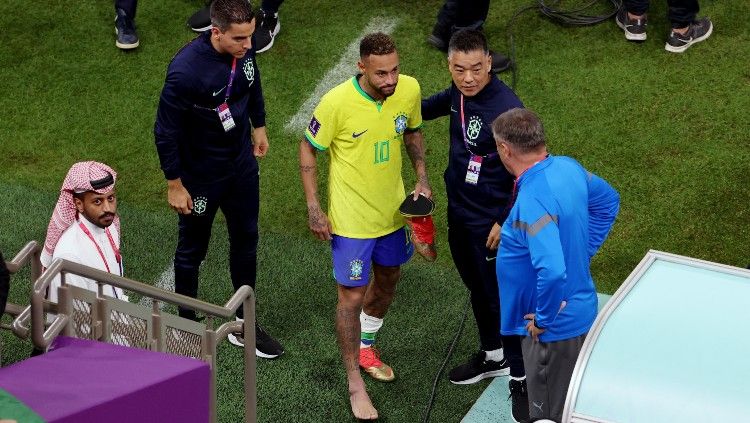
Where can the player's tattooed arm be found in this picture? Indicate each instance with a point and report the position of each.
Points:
(318, 222)
(414, 143)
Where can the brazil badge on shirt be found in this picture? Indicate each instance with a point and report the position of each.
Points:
(364, 138)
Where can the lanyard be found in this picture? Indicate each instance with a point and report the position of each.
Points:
(231, 78)
(463, 132)
(98, 249)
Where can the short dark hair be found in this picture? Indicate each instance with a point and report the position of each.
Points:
(468, 40)
(376, 43)
(521, 128)
(224, 13)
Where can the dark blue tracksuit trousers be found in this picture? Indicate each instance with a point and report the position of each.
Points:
(238, 199)
(128, 6)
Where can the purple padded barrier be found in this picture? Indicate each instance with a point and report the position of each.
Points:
(88, 381)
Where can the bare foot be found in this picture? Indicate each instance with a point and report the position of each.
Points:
(362, 407)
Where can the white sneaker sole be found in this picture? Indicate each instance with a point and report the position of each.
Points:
(122, 46)
(629, 35)
(486, 375)
(258, 353)
(673, 49)
(275, 32)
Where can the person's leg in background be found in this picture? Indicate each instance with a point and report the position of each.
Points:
(127, 38)
(632, 19)
(686, 29)
(267, 24)
(443, 29)
(455, 15)
(200, 21)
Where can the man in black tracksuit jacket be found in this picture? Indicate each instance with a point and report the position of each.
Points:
(477, 203)
(206, 152)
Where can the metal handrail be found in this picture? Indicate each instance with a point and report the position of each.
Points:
(244, 297)
(30, 253)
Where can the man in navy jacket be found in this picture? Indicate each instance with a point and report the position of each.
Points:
(478, 188)
(211, 102)
(560, 217)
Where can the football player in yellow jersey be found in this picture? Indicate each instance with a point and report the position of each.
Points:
(362, 123)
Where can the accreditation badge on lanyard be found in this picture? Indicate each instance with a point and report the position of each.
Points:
(225, 115)
(475, 166)
(475, 160)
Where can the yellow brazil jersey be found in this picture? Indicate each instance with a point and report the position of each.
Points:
(364, 138)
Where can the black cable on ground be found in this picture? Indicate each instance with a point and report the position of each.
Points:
(575, 17)
(448, 354)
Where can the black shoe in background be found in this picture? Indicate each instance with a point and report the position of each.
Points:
(519, 397)
(697, 31)
(201, 20)
(500, 62)
(478, 368)
(439, 38)
(267, 30)
(635, 29)
(127, 38)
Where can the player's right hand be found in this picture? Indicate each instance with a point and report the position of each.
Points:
(178, 197)
(319, 223)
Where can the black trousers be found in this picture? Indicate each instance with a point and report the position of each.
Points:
(238, 199)
(476, 265)
(680, 12)
(460, 14)
(128, 6)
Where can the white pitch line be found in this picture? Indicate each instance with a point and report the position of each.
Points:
(344, 69)
(165, 281)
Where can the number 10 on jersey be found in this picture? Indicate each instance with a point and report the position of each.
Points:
(382, 151)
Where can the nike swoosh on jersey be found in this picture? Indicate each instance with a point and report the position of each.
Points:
(357, 135)
(218, 92)
(490, 258)
(453, 110)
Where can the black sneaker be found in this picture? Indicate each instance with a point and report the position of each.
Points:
(127, 38)
(477, 368)
(519, 398)
(439, 38)
(635, 29)
(697, 31)
(500, 62)
(201, 20)
(267, 30)
(265, 345)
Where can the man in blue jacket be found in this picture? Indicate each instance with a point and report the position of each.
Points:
(478, 189)
(211, 102)
(560, 217)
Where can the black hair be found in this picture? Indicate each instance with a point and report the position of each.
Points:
(224, 13)
(376, 43)
(468, 40)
